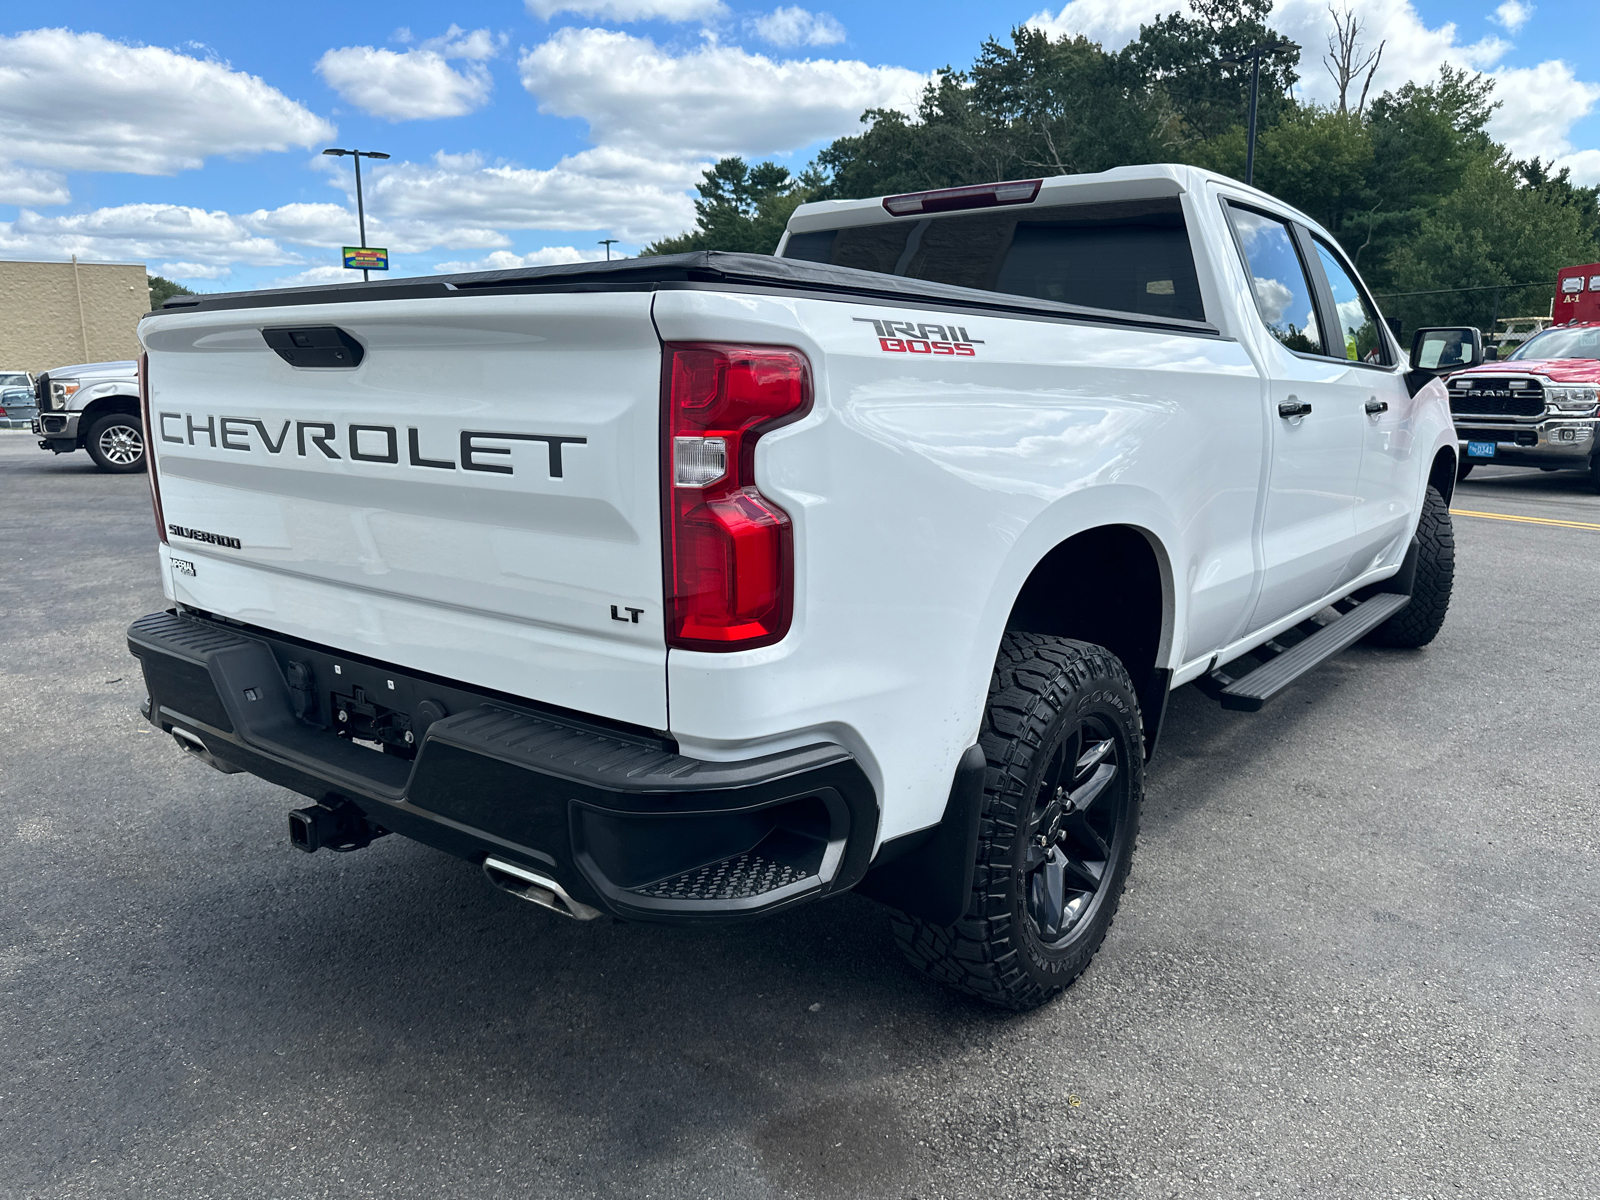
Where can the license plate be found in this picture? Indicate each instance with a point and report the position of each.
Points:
(1480, 449)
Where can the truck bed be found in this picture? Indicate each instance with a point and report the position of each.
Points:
(708, 269)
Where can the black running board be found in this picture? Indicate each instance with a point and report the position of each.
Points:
(1249, 692)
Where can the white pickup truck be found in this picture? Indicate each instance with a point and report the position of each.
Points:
(695, 588)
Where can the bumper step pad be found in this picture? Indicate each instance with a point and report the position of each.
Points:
(1249, 693)
(736, 878)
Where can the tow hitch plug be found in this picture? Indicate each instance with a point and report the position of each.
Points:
(338, 826)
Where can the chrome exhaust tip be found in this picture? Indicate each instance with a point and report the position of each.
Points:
(191, 745)
(536, 889)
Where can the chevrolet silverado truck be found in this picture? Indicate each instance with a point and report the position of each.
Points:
(694, 588)
(1537, 407)
(93, 407)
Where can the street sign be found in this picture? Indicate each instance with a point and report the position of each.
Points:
(366, 258)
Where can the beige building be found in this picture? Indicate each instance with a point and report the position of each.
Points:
(56, 313)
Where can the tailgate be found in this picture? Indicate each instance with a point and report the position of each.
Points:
(477, 499)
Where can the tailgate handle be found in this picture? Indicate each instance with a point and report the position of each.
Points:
(318, 346)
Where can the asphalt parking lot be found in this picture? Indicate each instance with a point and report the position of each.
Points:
(1359, 954)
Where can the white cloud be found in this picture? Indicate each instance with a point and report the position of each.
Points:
(1538, 107)
(82, 102)
(1584, 165)
(794, 26)
(313, 276)
(23, 185)
(583, 192)
(417, 84)
(1512, 14)
(714, 100)
(141, 233)
(189, 270)
(505, 260)
(456, 42)
(1112, 23)
(630, 10)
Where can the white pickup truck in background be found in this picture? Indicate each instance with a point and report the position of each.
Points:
(694, 588)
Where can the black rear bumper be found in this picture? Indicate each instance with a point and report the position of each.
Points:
(616, 816)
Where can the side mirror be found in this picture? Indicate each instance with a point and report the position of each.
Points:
(1446, 348)
(1439, 350)
(1491, 354)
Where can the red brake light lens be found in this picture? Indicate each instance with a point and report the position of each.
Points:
(982, 195)
(150, 444)
(729, 550)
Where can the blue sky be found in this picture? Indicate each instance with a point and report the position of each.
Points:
(186, 135)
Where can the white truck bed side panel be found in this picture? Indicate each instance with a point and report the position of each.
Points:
(924, 489)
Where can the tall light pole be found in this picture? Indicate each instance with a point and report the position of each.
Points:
(361, 212)
(1254, 56)
(607, 243)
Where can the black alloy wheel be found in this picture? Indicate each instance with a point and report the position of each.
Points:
(1064, 744)
(1073, 834)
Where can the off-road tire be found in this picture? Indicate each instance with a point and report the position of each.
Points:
(116, 443)
(1045, 690)
(1594, 472)
(1418, 622)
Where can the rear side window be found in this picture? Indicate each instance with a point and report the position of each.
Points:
(1133, 257)
(1278, 279)
(1357, 335)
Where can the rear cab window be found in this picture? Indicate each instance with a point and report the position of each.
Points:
(1128, 257)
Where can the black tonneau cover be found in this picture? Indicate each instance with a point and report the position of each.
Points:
(700, 269)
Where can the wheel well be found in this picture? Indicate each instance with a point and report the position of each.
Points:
(96, 409)
(1442, 474)
(1103, 586)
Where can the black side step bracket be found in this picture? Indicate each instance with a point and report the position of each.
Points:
(1249, 692)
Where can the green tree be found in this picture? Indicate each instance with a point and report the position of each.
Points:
(1317, 159)
(1177, 57)
(1559, 189)
(740, 208)
(161, 289)
(1062, 107)
(1425, 137)
(1490, 230)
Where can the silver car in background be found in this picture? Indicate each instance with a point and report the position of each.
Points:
(17, 409)
(16, 412)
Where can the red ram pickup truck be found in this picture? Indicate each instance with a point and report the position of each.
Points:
(1537, 408)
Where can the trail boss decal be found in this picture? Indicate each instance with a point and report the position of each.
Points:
(362, 443)
(906, 337)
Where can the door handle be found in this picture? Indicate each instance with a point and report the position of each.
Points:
(1376, 406)
(1294, 408)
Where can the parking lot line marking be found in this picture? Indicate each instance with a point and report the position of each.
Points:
(1467, 512)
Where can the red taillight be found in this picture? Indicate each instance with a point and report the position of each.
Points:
(729, 550)
(150, 444)
(982, 195)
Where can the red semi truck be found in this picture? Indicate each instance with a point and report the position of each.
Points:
(1537, 407)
